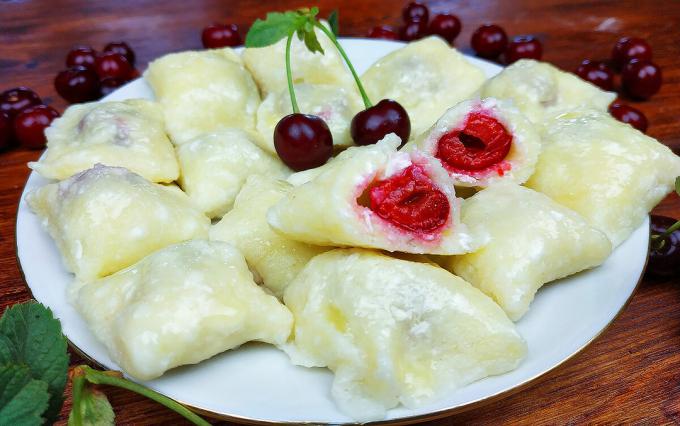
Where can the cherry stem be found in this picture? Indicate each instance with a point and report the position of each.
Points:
(659, 239)
(289, 75)
(76, 397)
(334, 40)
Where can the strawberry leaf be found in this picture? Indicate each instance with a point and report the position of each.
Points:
(23, 400)
(334, 22)
(275, 27)
(312, 42)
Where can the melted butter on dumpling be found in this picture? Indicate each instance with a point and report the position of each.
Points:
(395, 331)
(107, 218)
(180, 305)
(128, 134)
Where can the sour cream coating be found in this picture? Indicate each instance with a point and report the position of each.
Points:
(532, 240)
(395, 331)
(215, 166)
(203, 91)
(426, 77)
(275, 258)
(538, 88)
(128, 134)
(606, 170)
(107, 218)
(326, 211)
(180, 305)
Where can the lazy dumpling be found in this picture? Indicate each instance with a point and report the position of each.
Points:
(203, 91)
(180, 305)
(607, 171)
(275, 258)
(482, 142)
(375, 197)
(395, 331)
(107, 218)
(532, 240)
(128, 134)
(426, 77)
(215, 166)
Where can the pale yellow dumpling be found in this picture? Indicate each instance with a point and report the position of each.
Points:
(395, 331)
(607, 171)
(107, 218)
(180, 305)
(203, 91)
(426, 77)
(128, 134)
(275, 258)
(215, 166)
(532, 240)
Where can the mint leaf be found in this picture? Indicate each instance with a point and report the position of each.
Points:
(23, 400)
(312, 42)
(95, 409)
(32, 337)
(334, 22)
(275, 27)
(677, 185)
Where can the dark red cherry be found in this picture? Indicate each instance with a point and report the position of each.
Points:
(415, 12)
(220, 35)
(77, 84)
(30, 125)
(372, 124)
(413, 31)
(597, 73)
(113, 65)
(489, 41)
(13, 101)
(664, 257)
(630, 115)
(384, 32)
(523, 47)
(81, 55)
(641, 79)
(303, 141)
(5, 131)
(110, 84)
(629, 48)
(446, 26)
(121, 48)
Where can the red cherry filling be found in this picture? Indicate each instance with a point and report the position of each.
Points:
(410, 201)
(482, 142)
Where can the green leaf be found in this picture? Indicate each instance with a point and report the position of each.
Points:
(275, 27)
(677, 185)
(312, 42)
(334, 22)
(95, 409)
(32, 337)
(23, 400)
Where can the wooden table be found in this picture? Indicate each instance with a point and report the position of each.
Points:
(630, 374)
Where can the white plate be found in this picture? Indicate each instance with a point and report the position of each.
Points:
(258, 383)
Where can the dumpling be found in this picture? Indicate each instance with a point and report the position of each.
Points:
(532, 240)
(426, 77)
(395, 331)
(607, 171)
(335, 104)
(275, 258)
(128, 134)
(538, 87)
(180, 305)
(268, 65)
(482, 142)
(107, 218)
(215, 166)
(376, 197)
(203, 91)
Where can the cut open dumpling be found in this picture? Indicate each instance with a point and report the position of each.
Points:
(376, 197)
(128, 134)
(482, 142)
(107, 218)
(395, 331)
(180, 305)
(607, 171)
(532, 240)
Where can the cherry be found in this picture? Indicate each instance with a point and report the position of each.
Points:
(630, 115)
(372, 124)
(81, 55)
(121, 48)
(383, 31)
(415, 12)
(110, 84)
(30, 125)
(410, 201)
(13, 101)
(641, 79)
(664, 258)
(629, 48)
(489, 41)
(446, 26)
(303, 141)
(113, 65)
(77, 84)
(5, 131)
(413, 31)
(523, 47)
(597, 73)
(220, 35)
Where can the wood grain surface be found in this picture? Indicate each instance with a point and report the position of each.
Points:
(631, 374)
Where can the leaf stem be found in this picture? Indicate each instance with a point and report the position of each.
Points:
(289, 75)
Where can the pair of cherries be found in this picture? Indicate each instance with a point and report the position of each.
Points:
(24, 118)
(417, 25)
